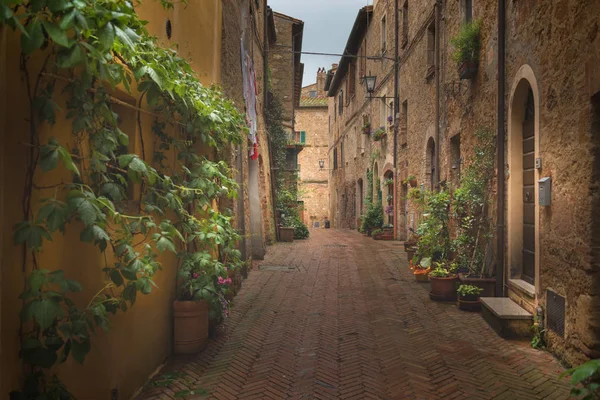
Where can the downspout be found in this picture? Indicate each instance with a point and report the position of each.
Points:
(396, 116)
(437, 95)
(500, 162)
(265, 106)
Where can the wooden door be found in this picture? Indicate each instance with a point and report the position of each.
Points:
(529, 194)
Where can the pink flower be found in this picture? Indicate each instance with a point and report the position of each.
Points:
(195, 275)
(228, 281)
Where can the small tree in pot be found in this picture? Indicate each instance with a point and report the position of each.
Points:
(474, 216)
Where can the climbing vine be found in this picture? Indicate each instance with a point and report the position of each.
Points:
(131, 206)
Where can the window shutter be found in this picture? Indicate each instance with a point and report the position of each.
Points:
(302, 137)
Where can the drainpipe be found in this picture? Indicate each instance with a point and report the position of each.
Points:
(500, 162)
(396, 114)
(437, 94)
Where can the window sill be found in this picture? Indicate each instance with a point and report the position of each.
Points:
(522, 287)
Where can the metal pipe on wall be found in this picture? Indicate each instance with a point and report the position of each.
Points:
(500, 137)
(437, 95)
(396, 115)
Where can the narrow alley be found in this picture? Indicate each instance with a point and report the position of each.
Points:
(340, 316)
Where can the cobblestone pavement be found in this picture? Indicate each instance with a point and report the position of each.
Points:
(350, 322)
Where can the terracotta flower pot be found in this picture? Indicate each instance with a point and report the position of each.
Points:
(190, 326)
(443, 289)
(469, 303)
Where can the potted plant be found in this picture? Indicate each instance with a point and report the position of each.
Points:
(443, 282)
(411, 180)
(421, 270)
(373, 218)
(379, 134)
(377, 234)
(390, 120)
(467, 46)
(286, 233)
(388, 182)
(412, 240)
(473, 215)
(197, 294)
(468, 297)
(366, 128)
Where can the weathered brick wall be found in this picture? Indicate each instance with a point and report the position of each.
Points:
(559, 42)
(233, 87)
(281, 66)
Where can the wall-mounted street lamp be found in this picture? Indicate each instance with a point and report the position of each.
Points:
(321, 164)
(370, 83)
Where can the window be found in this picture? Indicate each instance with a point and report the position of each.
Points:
(351, 80)
(341, 102)
(383, 34)
(363, 59)
(303, 137)
(455, 159)
(430, 50)
(313, 93)
(383, 112)
(468, 10)
(405, 24)
(404, 124)
(335, 161)
(342, 152)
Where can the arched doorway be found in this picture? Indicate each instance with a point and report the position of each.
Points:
(523, 208)
(430, 164)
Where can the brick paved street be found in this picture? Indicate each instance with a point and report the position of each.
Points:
(351, 323)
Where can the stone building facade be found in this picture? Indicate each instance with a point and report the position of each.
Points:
(285, 74)
(252, 24)
(312, 128)
(549, 128)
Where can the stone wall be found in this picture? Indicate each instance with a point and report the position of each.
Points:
(552, 48)
(281, 67)
(235, 20)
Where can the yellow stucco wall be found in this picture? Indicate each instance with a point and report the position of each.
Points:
(141, 338)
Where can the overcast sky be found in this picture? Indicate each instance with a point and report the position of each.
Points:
(327, 24)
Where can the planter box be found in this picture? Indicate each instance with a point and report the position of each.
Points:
(286, 234)
(487, 284)
(468, 70)
(469, 305)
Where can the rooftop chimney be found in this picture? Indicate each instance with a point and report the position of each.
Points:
(321, 74)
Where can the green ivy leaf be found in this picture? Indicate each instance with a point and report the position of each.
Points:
(49, 157)
(80, 349)
(64, 354)
(32, 235)
(129, 274)
(72, 58)
(130, 293)
(58, 35)
(67, 160)
(106, 35)
(116, 277)
(111, 190)
(123, 37)
(86, 210)
(34, 38)
(164, 243)
(45, 312)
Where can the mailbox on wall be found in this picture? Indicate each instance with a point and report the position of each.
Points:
(545, 191)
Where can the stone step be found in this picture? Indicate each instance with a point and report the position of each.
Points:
(506, 317)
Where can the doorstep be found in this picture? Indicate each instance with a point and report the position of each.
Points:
(506, 317)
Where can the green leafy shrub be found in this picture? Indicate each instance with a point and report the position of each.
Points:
(585, 380)
(379, 134)
(377, 232)
(471, 206)
(467, 43)
(301, 230)
(469, 290)
(433, 231)
(373, 218)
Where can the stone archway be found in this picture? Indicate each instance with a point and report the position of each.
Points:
(523, 219)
